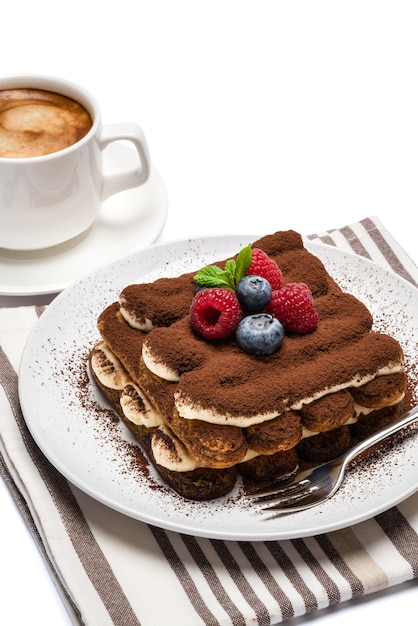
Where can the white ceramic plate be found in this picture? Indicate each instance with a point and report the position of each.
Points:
(128, 221)
(74, 427)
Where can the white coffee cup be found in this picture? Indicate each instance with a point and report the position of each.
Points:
(48, 199)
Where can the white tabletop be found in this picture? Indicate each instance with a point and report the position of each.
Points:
(260, 116)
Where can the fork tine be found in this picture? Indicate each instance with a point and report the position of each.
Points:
(279, 492)
(280, 510)
(315, 485)
(287, 501)
(299, 481)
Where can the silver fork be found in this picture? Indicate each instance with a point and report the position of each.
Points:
(315, 485)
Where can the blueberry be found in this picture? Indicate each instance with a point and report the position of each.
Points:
(253, 292)
(260, 334)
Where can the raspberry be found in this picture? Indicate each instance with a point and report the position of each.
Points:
(215, 313)
(264, 266)
(294, 307)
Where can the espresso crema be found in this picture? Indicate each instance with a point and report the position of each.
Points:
(34, 122)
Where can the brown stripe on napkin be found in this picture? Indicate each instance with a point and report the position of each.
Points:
(86, 547)
(331, 589)
(354, 241)
(358, 245)
(290, 571)
(271, 583)
(186, 580)
(40, 308)
(387, 251)
(240, 580)
(360, 569)
(212, 579)
(401, 534)
(340, 564)
(27, 516)
(350, 236)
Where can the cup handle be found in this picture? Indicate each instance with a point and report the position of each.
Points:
(113, 183)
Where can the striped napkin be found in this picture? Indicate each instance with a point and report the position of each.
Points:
(115, 570)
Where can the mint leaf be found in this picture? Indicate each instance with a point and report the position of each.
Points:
(243, 262)
(214, 276)
(229, 273)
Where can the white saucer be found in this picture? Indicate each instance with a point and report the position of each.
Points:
(128, 221)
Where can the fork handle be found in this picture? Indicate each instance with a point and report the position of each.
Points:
(404, 420)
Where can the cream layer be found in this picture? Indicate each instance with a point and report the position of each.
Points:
(190, 410)
(137, 408)
(160, 370)
(168, 450)
(145, 325)
(365, 410)
(108, 369)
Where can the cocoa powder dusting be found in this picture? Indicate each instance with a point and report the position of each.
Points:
(164, 301)
(249, 385)
(220, 375)
(105, 422)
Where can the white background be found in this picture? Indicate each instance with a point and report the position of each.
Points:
(260, 116)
